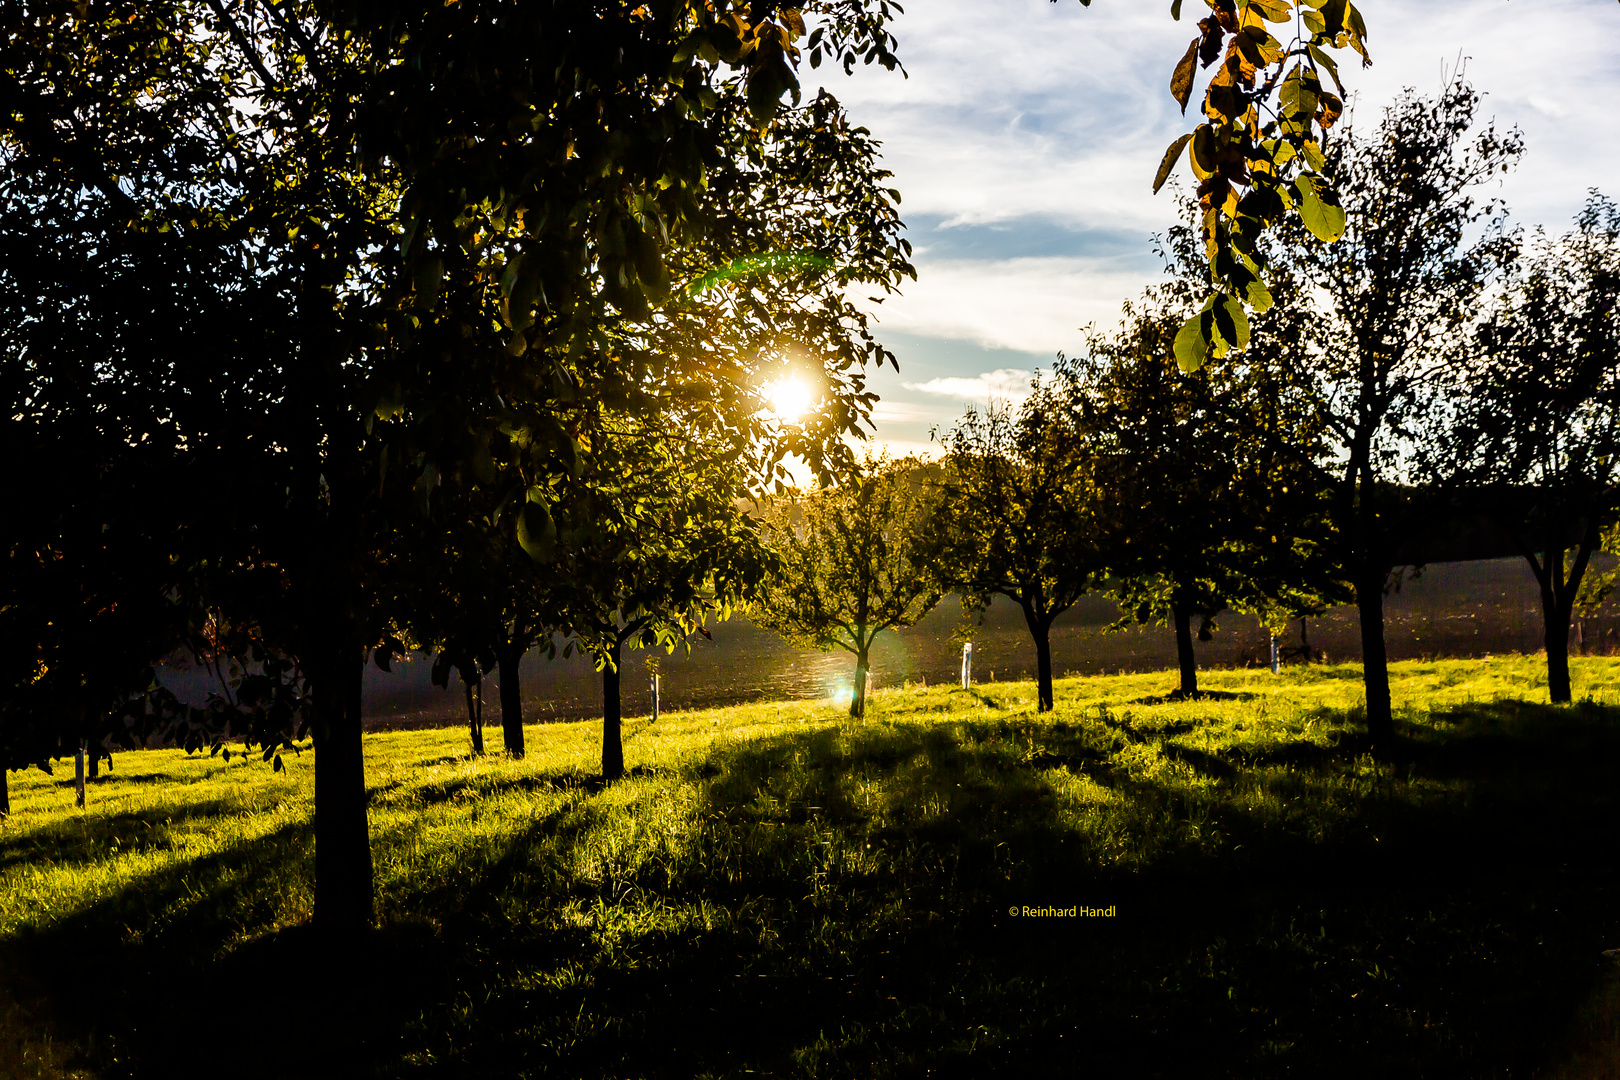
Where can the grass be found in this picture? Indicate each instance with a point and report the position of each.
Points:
(778, 891)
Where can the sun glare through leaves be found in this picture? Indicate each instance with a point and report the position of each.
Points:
(790, 399)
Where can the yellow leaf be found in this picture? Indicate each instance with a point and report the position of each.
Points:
(1182, 80)
(1169, 162)
(1202, 154)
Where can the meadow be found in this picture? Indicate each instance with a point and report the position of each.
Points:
(777, 890)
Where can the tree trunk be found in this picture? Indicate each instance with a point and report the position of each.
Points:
(1184, 650)
(1555, 624)
(1043, 669)
(1371, 568)
(475, 713)
(510, 662)
(1558, 591)
(1041, 631)
(1556, 603)
(857, 698)
(78, 775)
(5, 790)
(343, 886)
(1374, 658)
(612, 744)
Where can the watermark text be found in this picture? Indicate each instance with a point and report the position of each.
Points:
(1076, 912)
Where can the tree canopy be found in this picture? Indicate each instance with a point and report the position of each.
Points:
(851, 562)
(1534, 416)
(1214, 475)
(1420, 246)
(1020, 513)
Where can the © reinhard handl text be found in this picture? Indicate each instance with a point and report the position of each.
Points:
(1062, 912)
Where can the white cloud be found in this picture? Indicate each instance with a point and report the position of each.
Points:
(1022, 108)
(1040, 125)
(1036, 305)
(1005, 384)
(886, 413)
(1547, 107)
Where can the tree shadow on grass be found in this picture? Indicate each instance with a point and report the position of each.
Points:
(82, 840)
(560, 780)
(1411, 938)
(835, 904)
(1178, 696)
(288, 1003)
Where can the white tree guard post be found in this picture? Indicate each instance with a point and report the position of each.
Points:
(1275, 663)
(868, 695)
(967, 664)
(654, 683)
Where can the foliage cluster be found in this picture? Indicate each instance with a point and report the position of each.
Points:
(469, 308)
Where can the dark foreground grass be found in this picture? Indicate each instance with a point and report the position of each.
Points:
(777, 891)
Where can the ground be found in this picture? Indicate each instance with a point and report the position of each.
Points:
(777, 890)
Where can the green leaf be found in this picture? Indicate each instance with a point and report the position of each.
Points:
(766, 85)
(1239, 320)
(1319, 208)
(536, 531)
(1274, 10)
(1175, 10)
(1313, 156)
(1259, 297)
(1323, 60)
(1225, 328)
(1192, 345)
(1295, 98)
(1170, 157)
(509, 273)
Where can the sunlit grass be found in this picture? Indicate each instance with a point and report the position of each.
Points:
(1264, 867)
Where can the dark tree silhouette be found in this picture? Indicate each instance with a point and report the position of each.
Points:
(1536, 415)
(1400, 288)
(1216, 476)
(1019, 514)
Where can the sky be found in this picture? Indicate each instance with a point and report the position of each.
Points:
(1025, 139)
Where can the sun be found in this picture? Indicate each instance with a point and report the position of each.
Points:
(790, 399)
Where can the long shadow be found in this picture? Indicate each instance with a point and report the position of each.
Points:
(560, 780)
(78, 841)
(1205, 764)
(290, 1003)
(1404, 924)
(1178, 695)
(109, 779)
(1347, 955)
